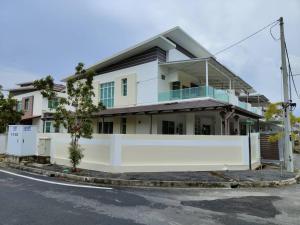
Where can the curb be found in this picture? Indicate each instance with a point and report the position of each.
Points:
(154, 183)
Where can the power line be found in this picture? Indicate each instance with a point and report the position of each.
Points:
(251, 35)
(274, 38)
(291, 77)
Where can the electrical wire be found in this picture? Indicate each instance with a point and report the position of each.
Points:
(291, 77)
(249, 36)
(274, 38)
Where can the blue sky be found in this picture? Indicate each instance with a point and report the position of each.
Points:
(40, 37)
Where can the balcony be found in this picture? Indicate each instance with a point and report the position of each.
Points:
(202, 91)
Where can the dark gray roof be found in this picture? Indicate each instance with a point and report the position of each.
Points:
(254, 98)
(184, 106)
(28, 87)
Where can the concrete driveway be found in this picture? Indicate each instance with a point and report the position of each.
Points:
(31, 201)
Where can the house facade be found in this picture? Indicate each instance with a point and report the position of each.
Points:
(170, 106)
(37, 110)
(170, 84)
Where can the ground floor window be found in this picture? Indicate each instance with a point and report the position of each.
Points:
(123, 125)
(197, 125)
(105, 128)
(47, 126)
(201, 128)
(168, 127)
(206, 129)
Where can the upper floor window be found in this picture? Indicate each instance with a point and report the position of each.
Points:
(53, 103)
(124, 87)
(107, 92)
(19, 106)
(26, 104)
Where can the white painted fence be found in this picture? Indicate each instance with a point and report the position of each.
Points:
(150, 153)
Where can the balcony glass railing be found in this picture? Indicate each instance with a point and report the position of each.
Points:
(203, 91)
(195, 92)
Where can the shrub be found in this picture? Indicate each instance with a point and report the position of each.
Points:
(75, 155)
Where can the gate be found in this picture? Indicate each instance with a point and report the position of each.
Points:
(269, 150)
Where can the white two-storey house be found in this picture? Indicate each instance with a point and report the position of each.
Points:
(170, 84)
(37, 110)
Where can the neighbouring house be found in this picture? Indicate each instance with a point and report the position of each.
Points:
(37, 109)
(170, 84)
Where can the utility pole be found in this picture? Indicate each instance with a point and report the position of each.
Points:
(288, 152)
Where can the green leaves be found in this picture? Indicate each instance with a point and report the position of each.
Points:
(77, 121)
(275, 111)
(8, 111)
(75, 155)
(46, 86)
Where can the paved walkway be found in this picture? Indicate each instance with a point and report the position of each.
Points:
(203, 176)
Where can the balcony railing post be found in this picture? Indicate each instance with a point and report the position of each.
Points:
(206, 78)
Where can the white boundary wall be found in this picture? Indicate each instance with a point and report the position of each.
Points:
(154, 153)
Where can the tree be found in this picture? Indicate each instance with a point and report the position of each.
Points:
(8, 111)
(77, 121)
(275, 111)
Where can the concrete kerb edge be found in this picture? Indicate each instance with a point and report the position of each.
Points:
(153, 183)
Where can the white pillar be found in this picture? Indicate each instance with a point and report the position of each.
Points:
(206, 78)
(190, 123)
(115, 149)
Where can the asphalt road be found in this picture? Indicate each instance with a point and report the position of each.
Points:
(28, 202)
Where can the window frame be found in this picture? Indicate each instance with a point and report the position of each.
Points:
(53, 103)
(26, 104)
(106, 127)
(168, 127)
(107, 94)
(124, 86)
(48, 122)
(19, 106)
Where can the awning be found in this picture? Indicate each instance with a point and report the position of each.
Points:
(175, 107)
(29, 117)
(257, 98)
(219, 76)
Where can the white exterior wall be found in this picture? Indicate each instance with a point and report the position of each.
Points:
(44, 102)
(146, 82)
(37, 101)
(40, 104)
(38, 123)
(175, 55)
(172, 76)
